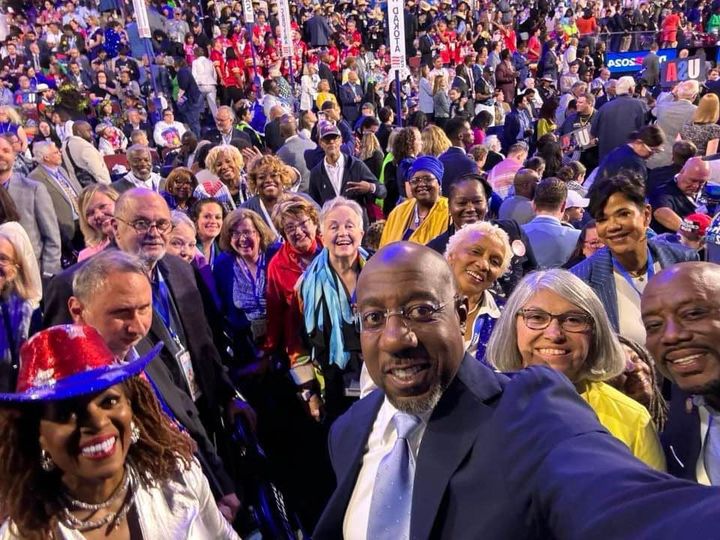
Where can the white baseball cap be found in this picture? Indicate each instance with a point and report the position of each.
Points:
(575, 200)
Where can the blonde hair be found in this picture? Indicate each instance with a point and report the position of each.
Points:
(91, 236)
(369, 145)
(224, 149)
(434, 140)
(236, 216)
(708, 110)
(486, 229)
(27, 283)
(12, 114)
(275, 164)
(436, 83)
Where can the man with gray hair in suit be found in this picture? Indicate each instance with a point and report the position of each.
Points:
(292, 152)
(63, 191)
(617, 119)
(37, 215)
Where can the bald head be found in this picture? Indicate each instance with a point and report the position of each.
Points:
(693, 176)
(410, 324)
(409, 257)
(681, 313)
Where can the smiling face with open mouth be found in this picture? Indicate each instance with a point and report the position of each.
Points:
(412, 356)
(342, 230)
(88, 437)
(554, 346)
(680, 311)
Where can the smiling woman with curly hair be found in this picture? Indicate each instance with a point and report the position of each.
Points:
(86, 450)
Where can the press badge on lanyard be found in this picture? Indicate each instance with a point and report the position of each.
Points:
(161, 302)
(182, 357)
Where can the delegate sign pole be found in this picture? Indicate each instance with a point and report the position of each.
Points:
(396, 30)
(286, 46)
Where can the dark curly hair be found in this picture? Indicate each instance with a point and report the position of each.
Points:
(29, 495)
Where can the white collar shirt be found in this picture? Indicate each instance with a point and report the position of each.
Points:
(380, 442)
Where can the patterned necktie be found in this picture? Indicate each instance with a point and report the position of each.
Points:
(711, 456)
(70, 193)
(392, 495)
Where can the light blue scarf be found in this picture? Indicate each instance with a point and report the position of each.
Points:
(320, 284)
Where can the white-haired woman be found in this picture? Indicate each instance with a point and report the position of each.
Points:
(20, 294)
(553, 318)
(324, 293)
(230, 189)
(478, 255)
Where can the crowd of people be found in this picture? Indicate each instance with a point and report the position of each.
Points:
(228, 271)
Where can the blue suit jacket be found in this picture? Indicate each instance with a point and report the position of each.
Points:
(597, 271)
(522, 457)
(552, 242)
(456, 164)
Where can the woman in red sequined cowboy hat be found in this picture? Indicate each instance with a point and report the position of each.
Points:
(86, 451)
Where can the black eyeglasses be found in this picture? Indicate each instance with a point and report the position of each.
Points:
(537, 319)
(374, 320)
(143, 225)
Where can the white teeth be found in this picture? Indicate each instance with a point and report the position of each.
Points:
(406, 373)
(553, 352)
(475, 275)
(98, 448)
(686, 360)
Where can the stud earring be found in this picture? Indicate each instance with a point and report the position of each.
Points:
(46, 461)
(134, 433)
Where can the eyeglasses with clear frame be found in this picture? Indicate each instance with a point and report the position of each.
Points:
(572, 321)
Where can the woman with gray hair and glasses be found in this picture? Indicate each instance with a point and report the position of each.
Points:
(555, 319)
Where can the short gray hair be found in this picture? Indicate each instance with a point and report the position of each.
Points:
(486, 228)
(41, 149)
(91, 277)
(338, 202)
(181, 218)
(226, 108)
(624, 85)
(605, 359)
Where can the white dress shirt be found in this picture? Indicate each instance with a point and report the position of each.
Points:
(335, 173)
(152, 183)
(381, 441)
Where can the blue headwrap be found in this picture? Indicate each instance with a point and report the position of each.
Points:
(430, 164)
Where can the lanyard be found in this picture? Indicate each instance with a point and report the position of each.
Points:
(254, 281)
(268, 220)
(626, 275)
(161, 303)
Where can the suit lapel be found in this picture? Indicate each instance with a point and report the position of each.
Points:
(347, 458)
(457, 418)
(603, 282)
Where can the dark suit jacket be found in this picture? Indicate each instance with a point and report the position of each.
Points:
(597, 271)
(456, 163)
(350, 107)
(681, 439)
(615, 121)
(321, 189)
(181, 281)
(215, 137)
(522, 457)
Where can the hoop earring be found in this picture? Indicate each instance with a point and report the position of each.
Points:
(134, 432)
(46, 461)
